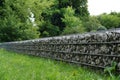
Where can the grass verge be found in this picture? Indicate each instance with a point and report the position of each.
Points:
(15, 66)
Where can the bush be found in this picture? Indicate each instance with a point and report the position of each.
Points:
(109, 20)
(91, 23)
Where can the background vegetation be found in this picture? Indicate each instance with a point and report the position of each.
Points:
(30, 19)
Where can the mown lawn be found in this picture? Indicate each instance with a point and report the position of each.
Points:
(15, 66)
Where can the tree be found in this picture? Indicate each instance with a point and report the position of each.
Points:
(73, 24)
(80, 6)
(109, 20)
(92, 23)
(49, 16)
(45, 16)
(47, 30)
(51, 12)
(15, 23)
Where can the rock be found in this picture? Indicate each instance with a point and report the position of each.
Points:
(79, 48)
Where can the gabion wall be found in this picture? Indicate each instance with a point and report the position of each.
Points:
(91, 49)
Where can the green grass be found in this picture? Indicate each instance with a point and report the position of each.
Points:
(15, 66)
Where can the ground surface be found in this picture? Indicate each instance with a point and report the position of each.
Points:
(15, 66)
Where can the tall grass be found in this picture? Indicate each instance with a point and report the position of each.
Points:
(15, 66)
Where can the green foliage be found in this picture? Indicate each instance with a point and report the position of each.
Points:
(2, 2)
(48, 29)
(110, 20)
(9, 30)
(50, 18)
(15, 23)
(14, 66)
(51, 12)
(30, 32)
(100, 28)
(111, 69)
(69, 19)
(73, 30)
(115, 14)
(73, 23)
(47, 16)
(45, 34)
(80, 6)
(56, 19)
(39, 7)
(91, 23)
